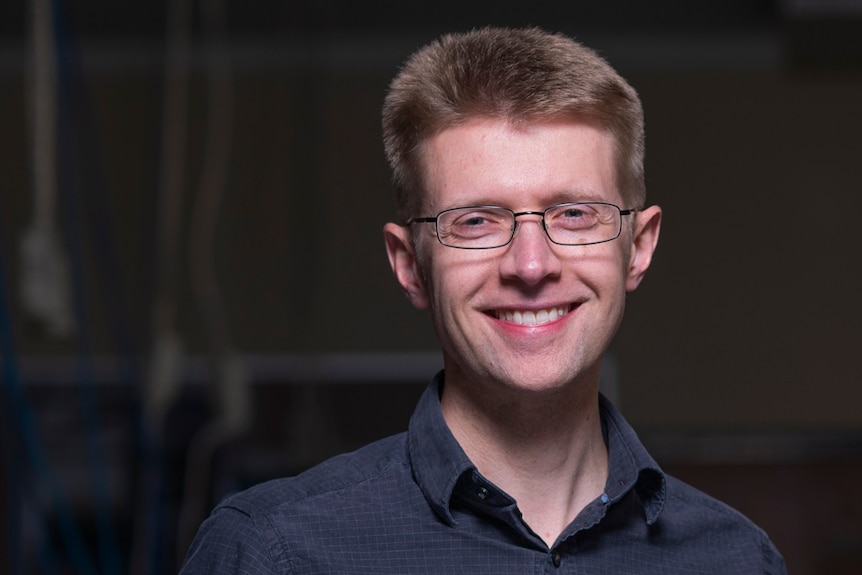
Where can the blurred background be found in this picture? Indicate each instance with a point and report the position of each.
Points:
(194, 295)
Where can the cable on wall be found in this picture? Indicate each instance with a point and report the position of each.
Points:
(229, 390)
(45, 296)
(72, 115)
(164, 367)
(44, 288)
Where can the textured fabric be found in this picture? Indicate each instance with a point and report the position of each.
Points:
(414, 504)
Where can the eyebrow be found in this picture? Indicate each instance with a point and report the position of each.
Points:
(577, 195)
(555, 198)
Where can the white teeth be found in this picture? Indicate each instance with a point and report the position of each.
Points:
(533, 317)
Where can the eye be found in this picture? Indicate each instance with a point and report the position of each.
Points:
(573, 217)
(477, 217)
(475, 222)
(572, 213)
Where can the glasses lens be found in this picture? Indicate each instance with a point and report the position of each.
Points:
(475, 228)
(581, 224)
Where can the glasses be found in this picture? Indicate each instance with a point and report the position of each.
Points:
(486, 227)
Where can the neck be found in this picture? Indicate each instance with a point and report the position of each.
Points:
(545, 449)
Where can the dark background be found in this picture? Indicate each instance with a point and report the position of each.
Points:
(737, 360)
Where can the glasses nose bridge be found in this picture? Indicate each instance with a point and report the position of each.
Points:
(540, 221)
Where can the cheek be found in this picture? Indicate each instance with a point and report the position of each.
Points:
(422, 247)
(601, 265)
(443, 281)
(453, 282)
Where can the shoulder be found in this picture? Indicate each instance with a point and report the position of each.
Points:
(694, 518)
(382, 460)
(252, 531)
(689, 504)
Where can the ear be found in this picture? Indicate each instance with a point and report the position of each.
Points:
(402, 259)
(644, 240)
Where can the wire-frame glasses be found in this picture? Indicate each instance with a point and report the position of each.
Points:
(486, 227)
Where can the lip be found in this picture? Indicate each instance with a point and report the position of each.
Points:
(533, 316)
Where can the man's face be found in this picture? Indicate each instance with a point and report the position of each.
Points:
(531, 315)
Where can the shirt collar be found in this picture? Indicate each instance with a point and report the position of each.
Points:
(438, 462)
(630, 466)
(437, 459)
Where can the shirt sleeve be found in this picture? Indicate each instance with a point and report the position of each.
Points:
(228, 543)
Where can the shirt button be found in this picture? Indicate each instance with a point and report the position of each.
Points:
(556, 558)
(482, 493)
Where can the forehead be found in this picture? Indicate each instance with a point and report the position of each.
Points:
(519, 165)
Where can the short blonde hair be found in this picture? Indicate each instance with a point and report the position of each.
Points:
(517, 74)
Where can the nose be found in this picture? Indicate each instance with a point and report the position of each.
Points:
(530, 257)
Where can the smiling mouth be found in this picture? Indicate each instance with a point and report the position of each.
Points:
(533, 317)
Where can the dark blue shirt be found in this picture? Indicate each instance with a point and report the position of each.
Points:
(414, 503)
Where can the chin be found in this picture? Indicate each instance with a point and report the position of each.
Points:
(537, 382)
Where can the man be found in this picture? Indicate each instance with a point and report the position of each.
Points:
(518, 164)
